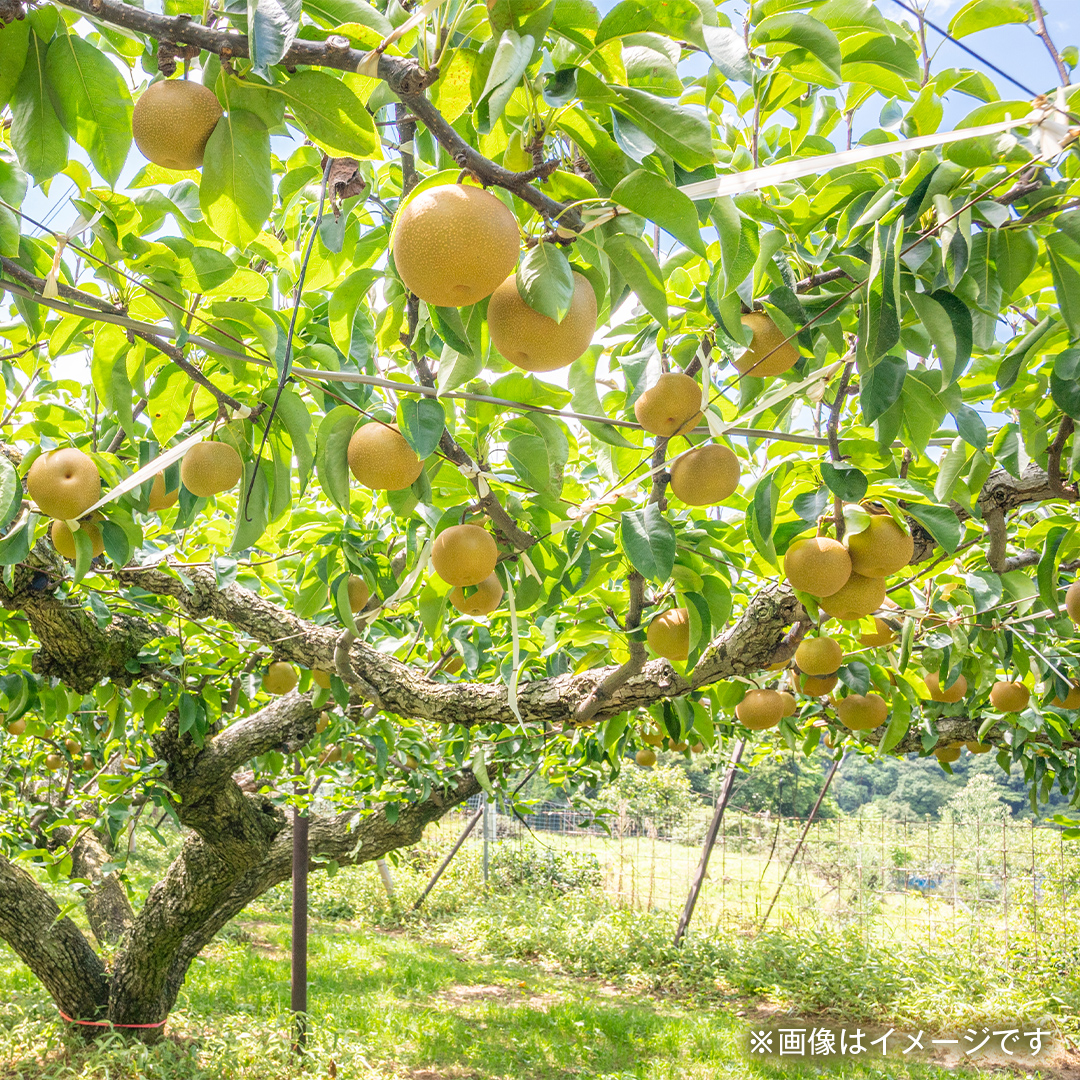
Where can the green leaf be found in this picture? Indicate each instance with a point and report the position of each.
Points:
(899, 722)
(656, 198)
(1047, 572)
(84, 554)
(947, 320)
(1015, 252)
(252, 513)
(331, 454)
(880, 388)
(92, 100)
(15, 546)
(1064, 255)
(512, 56)
(479, 770)
(335, 13)
(529, 458)
(844, 481)
(346, 315)
(545, 281)
(649, 542)
(678, 131)
(236, 193)
(970, 426)
(14, 39)
(983, 14)
(293, 413)
(9, 484)
(808, 35)
(331, 114)
(421, 420)
(739, 250)
(940, 522)
(581, 381)
(37, 134)
(728, 52)
(635, 261)
(1010, 365)
(108, 371)
(881, 313)
(272, 27)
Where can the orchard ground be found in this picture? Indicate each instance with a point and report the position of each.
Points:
(534, 984)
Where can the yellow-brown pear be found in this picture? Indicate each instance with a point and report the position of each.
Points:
(816, 685)
(669, 634)
(1071, 699)
(280, 678)
(210, 468)
(882, 635)
(64, 540)
(535, 342)
(881, 549)
(950, 695)
(817, 565)
(947, 754)
(645, 757)
(1072, 601)
(482, 601)
(464, 555)
(760, 709)
(705, 475)
(1010, 696)
(858, 597)
(172, 121)
(769, 353)
(359, 593)
(381, 459)
(455, 244)
(819, 656)
(160, 499)
(64, 483)
(671, 406)
(862, 712)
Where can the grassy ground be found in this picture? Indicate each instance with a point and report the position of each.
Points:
(542, 978)
(388, 1006)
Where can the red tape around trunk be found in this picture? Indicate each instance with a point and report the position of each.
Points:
(109, 1023)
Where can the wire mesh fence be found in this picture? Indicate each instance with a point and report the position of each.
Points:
(983, 885)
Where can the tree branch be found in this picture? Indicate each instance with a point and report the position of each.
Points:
(404, 77)
(1044, 36)
(53, 948)
(756, 640)
(73, 648)
(37, 285)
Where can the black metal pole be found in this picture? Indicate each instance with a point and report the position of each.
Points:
(710, 840)
(300, 916)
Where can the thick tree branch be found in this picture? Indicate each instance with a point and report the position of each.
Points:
(73, 648)
(108, 909)
(53, 948)
(757, 639)
(404, 77)
(348, 839)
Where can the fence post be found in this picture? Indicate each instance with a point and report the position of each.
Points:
(710, 840)
(299, 948)
(798, 847)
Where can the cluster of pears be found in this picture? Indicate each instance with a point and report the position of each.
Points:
(656, 740)
(464, 556)
(172, 122)
(455, 245)
(65, 484)
(704, 475)
(848, 579)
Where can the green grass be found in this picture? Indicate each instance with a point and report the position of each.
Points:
(528, 983)
(388, 1006)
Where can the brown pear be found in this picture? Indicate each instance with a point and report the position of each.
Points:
(669, 634)
(483, 600)
(1010, 696)
(769, 352)
(705, 475)
(210, 467)
(280, 678)
(760, 709)
(671, 406)
(464, 555)
(951, 694)
(819, 656)
(64, 483)
(817, 565)
(858, 597)
(881, 549)
(862, 712)
(381, 458)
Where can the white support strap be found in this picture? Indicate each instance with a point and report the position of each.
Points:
(1047, 119)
